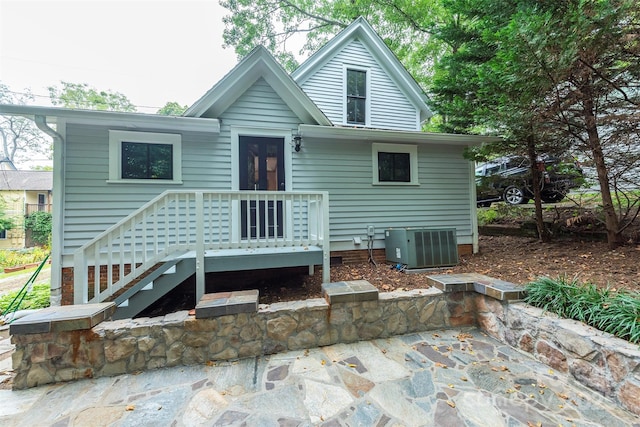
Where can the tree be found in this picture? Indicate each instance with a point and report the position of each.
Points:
(172, 109)
(279, 25)
(21, 139)
(563, 72)
(82, 96)
(596, 98)
(5, 223)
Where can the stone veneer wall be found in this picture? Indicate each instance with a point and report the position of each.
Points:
(598, 360)
(130, 345)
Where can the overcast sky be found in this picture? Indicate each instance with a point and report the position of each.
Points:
(151, 51)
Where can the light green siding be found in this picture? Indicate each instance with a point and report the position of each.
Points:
(390, 108)
(345, 169)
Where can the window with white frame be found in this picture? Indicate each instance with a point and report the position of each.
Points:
(3, 234)
(395, 164)
(356, 99)
(145, 157)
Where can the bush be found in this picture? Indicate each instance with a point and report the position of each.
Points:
(503, 212)
(39, 297)
(617, 313)
(40, 225)
(487, 216)
(20, 257)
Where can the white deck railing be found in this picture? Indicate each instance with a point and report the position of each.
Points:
(185, 221)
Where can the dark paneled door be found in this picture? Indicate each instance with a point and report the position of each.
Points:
(261, 168)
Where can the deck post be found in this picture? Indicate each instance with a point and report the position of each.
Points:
(326, 241)
(80, 279)
(200, 276)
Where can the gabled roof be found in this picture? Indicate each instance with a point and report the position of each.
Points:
(258, 63)
(26, 180)
(361, 30)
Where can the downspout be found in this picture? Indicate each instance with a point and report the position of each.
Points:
(474, 209)
(56, 232)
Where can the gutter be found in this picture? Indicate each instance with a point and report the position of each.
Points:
(56, 231)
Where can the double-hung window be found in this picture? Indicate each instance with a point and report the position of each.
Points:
(395, 164)
(356, 96)
(144, 157)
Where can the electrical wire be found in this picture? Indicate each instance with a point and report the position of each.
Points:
(370, 249)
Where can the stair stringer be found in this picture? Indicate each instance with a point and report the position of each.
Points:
(142, 299)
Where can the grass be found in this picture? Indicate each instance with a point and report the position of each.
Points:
(615, 312)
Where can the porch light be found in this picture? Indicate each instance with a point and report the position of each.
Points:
(297, 142)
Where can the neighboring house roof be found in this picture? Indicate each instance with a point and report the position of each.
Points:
(258, 63)
(26, 180)
(362, 31)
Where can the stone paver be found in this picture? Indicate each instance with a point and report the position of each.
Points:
(446, 378)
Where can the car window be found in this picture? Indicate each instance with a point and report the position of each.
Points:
(517, 162)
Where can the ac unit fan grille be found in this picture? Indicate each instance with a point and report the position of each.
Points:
(435, 248)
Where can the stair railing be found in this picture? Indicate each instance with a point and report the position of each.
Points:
(201, 222)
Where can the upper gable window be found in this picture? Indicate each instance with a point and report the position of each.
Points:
(395, 164)
(145, 157)
(356, 85)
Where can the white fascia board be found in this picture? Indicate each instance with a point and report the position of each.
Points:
(258, 63)
(392, 136)
(112, 118)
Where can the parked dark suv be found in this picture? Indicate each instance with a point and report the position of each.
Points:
(509, 179)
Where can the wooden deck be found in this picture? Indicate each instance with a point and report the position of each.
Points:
(206, 231)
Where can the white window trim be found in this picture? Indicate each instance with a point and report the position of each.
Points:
(367, 108)
(395, 148)
(116, 137)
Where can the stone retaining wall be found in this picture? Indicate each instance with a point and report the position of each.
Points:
(598, 360)
(130, 345)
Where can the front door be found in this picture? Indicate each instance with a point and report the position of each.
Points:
(261, 168)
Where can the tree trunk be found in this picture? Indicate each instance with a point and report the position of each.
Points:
(536, 179)
(595, 146)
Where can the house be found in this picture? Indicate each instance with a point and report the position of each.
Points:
(21, 194)
(265, 170)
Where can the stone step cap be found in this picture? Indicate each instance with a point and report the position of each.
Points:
(224, 303)
(485, 285)
(63, 318)
(349, 291)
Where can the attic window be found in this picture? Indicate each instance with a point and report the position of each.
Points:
(145, 157)
(356, 96)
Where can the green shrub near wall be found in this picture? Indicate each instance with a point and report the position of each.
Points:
(615, 312)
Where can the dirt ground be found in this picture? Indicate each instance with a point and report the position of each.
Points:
(515, 259)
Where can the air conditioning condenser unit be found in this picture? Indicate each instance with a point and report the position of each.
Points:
(421, 247)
